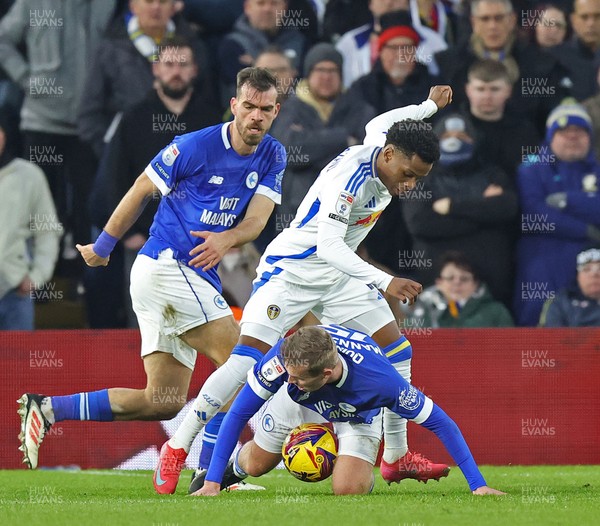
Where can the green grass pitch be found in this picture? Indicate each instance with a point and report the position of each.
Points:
(537, 495)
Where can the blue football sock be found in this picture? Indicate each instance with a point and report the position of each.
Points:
(209, 439)
(83, 406)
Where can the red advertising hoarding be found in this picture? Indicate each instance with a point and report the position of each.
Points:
(520, 396)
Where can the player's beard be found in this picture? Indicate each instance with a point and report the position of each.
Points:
(250, 139)
(175, 93)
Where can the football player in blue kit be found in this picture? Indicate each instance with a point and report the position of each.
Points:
(335, 374)
(328, 373)
(219, 186)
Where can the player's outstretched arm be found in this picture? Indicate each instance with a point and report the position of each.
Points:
(448, 432)
(124, 216)
(376, 129)
(216, 244)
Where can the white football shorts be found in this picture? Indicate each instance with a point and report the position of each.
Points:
(281, 414)
(169, 298)
(279, 304)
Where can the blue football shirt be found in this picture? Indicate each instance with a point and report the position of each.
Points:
(207, 185)
(368, 383)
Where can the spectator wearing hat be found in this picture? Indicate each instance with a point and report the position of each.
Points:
(315, 125)
(359, 46)
(560, 210)
(464, 204)
(397, 78)
(579, 305)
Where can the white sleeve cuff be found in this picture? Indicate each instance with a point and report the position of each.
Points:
(155, 178)
(425, 412)
(267, 192)
(384, 282)
(258, 389)
(430, 108)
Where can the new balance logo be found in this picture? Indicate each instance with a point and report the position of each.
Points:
(215, 179)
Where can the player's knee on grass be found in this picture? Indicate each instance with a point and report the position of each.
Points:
(352, 476)
(357, 486)
(256, 461)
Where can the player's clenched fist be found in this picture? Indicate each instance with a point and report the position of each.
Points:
(441, 95)
(405, 290)
(90, 257)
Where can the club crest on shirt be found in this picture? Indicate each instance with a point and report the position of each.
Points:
(268, 423)
(273, 311)
(252, 180)
(409, 398)
(170, 154)
(220, 302)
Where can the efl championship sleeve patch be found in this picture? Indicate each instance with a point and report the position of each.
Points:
(272, 370)
(170, 154)
(345, 196)
(343, 204)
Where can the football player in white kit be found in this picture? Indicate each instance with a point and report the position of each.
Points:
(312, 266)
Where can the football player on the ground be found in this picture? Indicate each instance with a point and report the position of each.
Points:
(312, 266)
(334, 374)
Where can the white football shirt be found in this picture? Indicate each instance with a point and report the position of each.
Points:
(337, 213)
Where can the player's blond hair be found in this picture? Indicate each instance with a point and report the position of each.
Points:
(310, 347)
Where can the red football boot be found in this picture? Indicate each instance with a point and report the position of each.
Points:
(412, 466)
(170, 464)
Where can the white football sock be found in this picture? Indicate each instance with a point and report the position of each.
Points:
(47, 409)
(394, 427)
(218, 389)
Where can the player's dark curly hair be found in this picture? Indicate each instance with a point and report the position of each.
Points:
(414, 137)
(261, 79)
